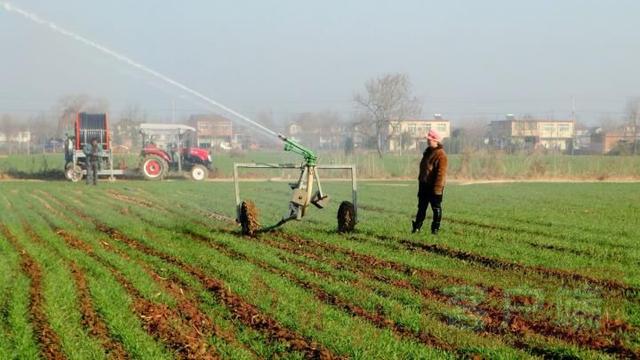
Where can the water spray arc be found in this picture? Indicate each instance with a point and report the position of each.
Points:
(116, 55)
(303, 194)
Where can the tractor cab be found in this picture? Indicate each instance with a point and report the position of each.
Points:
(169, 148)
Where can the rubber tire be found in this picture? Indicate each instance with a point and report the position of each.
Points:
(346, 217)
(249, 218)
(199, 172)
(160, 162)
(73, 173)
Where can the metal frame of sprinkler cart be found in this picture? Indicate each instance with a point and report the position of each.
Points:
(302, 189)
(83, 134)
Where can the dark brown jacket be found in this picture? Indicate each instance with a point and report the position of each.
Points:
(433, 169)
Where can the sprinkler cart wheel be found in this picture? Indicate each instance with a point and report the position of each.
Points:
(249, 218)
(346, 217)
(73, 172)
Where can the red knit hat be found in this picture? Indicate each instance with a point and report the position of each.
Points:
(434, 135)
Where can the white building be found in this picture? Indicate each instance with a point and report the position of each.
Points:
(21, 137)
(412, 133)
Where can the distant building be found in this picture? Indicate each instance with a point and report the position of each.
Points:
(20, 137)
(582, 139)
(410, 134)
(319, 130)
(212, 130)
(529, 134)
(602, 142)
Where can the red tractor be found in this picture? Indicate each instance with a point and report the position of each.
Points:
(167, 148)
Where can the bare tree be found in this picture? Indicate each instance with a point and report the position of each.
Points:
(70, 105)
(9, 128)
(387, 98)
(633, 116)
(315, 126)
(127, 128)
(42, 129)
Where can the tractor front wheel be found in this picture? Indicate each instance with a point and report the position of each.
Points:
(153, 168)
(199, 172)
(346, 217)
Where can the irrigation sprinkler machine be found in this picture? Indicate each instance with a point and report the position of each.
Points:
(86, 127)
(303, 193)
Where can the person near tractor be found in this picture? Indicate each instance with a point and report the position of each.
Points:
(68, 148)
(431, 181)
(93, 153)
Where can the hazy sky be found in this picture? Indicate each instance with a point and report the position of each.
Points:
(466, 59)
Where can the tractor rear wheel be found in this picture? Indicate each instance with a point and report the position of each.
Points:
(153, 167)
(199, 172)
(346, 217)
(249, 218)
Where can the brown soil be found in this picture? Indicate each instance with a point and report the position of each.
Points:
(607, 338)
(186, 339)
(136, 200)
(91, 320)
(376, 318)
(533, 232)
(131, 200)
(563, 275)
(49, 342)
(557, 248)
(187, 306)
(242, 310)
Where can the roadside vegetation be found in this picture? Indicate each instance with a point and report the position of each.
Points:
(480, 165)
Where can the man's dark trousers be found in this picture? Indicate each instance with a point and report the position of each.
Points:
(92, 172)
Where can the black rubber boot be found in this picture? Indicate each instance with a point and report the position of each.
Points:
(437, 217)
(415, 226)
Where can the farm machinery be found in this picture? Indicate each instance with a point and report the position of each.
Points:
(87, 127)
(303, 193)
(166, 148)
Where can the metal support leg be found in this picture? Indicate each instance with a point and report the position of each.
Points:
(236, 185)
(354, 193)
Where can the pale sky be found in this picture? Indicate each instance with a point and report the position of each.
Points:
(466, 59)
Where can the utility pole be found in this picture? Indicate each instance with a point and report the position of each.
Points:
(635, 127)
(573, 120)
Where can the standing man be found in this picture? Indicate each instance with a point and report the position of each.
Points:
(68, 149)
(431, 181)
(93, 152)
